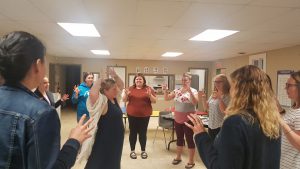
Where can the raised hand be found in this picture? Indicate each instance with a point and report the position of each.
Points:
(149, 92)
(202, 94)
(127, 92)
(164, 87)
(197, 126)
(76, 90)
(82, 131)
(112, 72)
(65, 97)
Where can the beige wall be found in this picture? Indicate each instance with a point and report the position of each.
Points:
(97, 65)
(280, 59)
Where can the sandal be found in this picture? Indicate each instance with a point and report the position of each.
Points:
(176, 162)
(144, 155)
(133, 155)
(188, 165)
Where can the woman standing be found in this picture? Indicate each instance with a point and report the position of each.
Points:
(250, 135)
(186, 99)
(139, 109)
(81, 94)
(30, 128)
(216, 104)
(290, 156)
(107, 141)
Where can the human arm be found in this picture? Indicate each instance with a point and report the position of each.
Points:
(167, 96)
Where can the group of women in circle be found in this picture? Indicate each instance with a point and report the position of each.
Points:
(245, 129)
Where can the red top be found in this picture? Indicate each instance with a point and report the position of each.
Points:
(139, 103)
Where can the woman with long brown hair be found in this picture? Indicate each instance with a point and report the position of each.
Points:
(290, 156)
(250, 135)
(139, 109)
(216, 104)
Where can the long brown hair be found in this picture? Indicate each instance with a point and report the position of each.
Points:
(139, 75)
(226, 85)
(251, 90)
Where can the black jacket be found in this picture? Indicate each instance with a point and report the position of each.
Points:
(50, 97)
(240, 144)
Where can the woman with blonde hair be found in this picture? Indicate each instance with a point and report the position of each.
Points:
(290, 156)
(216, 104)
(250, 135)
(185, 101)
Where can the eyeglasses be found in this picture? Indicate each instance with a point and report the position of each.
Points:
(288, 85)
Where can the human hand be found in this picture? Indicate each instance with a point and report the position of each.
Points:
(149, 92)
(202, 94)
(65, 97)
(112, 73)
(164, 87)
(76, 90)
(197, 126)
(82, 131)
(127, 92)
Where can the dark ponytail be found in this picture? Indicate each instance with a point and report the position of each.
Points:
(18, 51)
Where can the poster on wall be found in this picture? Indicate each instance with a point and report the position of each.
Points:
(155, 70)
(165, 70)
(146, 69)
(137, 70)
(259, 60)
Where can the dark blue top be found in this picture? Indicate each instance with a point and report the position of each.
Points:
(240, 144)
(107, 149)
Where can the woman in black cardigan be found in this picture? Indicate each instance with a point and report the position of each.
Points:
(250, 135)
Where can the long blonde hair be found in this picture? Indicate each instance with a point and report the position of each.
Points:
(251, 90)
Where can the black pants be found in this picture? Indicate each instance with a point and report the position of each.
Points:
(138, 126)
(213, 132)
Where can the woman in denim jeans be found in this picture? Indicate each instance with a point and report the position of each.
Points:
(30, 128)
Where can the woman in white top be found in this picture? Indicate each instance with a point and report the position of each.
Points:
(185, 99)
(216, 104)
(290, 156)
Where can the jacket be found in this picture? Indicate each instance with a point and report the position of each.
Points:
(84, 92)
(30, 132)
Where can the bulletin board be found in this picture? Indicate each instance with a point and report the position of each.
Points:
(282, 77)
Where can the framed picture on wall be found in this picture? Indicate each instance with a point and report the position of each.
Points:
(146, 69)
(165, 70)
(155, 70)
(259, 60)
(137, 70)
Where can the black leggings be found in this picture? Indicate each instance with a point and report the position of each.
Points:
(138, 125)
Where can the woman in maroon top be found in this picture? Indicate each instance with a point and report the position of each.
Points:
(139, 97)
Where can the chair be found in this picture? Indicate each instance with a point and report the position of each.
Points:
(164, 124)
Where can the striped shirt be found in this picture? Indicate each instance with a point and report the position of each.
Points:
(216, 116)
(290, 156)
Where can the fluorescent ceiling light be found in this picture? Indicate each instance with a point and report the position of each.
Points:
(80, 29)
(100, 52)
(213, 35)
(171, 54)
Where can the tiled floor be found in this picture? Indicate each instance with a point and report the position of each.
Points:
(159, 157)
